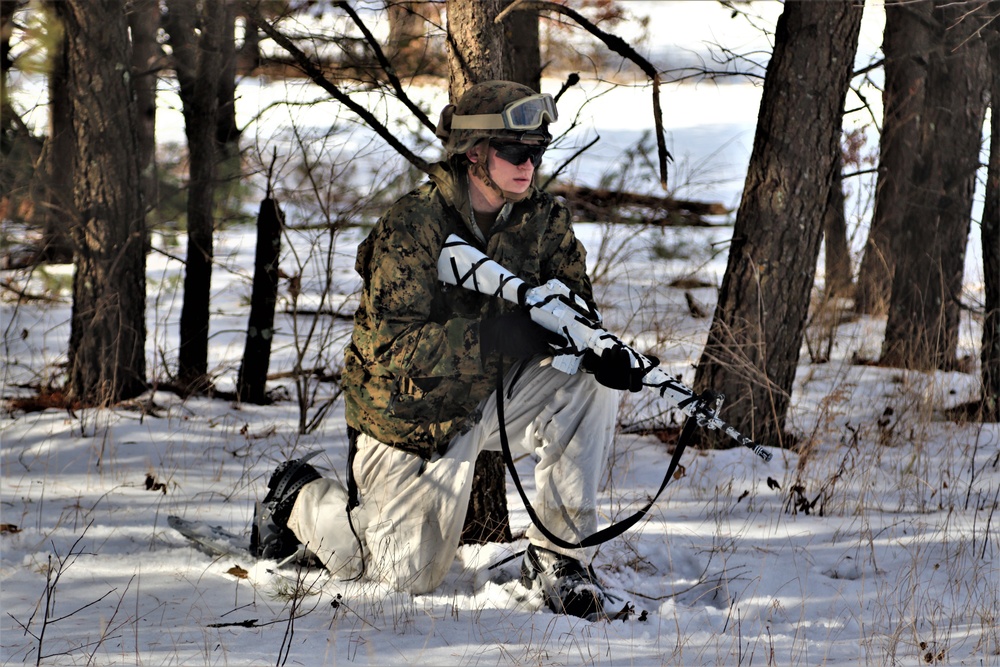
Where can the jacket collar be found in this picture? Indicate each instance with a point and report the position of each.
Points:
(452, 180)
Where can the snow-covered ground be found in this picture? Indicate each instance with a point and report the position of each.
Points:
(895, 562)
(877, 543)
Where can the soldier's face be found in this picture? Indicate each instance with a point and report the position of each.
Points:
(510, 177)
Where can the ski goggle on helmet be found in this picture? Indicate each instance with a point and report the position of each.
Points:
(496, 110)
(527, 113)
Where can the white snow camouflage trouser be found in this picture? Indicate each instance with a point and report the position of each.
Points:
(411, 521)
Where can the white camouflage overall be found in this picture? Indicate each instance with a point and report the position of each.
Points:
(412, 512)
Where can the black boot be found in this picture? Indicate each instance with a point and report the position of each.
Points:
(270, 537)
(569, 587)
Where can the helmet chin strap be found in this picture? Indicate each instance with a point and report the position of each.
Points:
(480, 170)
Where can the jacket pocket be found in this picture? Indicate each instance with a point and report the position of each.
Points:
(415, 397)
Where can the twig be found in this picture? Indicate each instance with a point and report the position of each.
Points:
(567, 162)
(989, 520)
(249, 623)
(701, 581)
(619, 46)
(313, 71)
(107, 624)
(24, 295)
(387, 67)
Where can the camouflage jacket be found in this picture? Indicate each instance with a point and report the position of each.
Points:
(413, 372)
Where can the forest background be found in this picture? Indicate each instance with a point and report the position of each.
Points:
(111, 191)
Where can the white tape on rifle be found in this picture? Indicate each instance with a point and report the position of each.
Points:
(555, 307)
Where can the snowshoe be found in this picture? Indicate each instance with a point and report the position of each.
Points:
(270, 536)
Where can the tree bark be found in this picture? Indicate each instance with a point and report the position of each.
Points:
(53, 185)
(477, 48)
(197, 60)
(521, 34)
(990, 355)
(922, 324)
(838, 253)
(144, 22)
(227, 132)
(407, 46)
(108, 326)
(251, 382)
(754, 340)
(906, 43)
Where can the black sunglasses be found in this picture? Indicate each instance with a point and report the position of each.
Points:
(517, 153)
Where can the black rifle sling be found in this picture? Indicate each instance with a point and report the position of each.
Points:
(608, 532)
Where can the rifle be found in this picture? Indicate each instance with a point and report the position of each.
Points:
(555, 307)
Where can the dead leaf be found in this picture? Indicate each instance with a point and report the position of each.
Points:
(9, 528)
(238, 572)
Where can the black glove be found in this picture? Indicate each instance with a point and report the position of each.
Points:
(516, 336)
(614, 368)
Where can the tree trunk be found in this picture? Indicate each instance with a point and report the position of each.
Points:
(53, 187)
(7, 9)
(838, 253)
(754, 341)
(251, 382)
(407, 46)
(197, 60)
(990, 355)
(477, 48)
(248, 55)
(521, 34)
(906, 43)
(144, 22)
(922, 326)
(479, 51)
(108, 325)
(227, 133)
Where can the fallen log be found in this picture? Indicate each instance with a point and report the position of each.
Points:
(632, 207)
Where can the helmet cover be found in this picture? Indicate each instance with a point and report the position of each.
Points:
(493, 98)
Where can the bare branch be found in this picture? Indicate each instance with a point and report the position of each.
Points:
(619, 46)
(387, 67)
(565, 164)
(313, 71)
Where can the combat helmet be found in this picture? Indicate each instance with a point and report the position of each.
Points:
(496, 109)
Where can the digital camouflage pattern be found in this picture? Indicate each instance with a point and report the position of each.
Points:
(413, 372)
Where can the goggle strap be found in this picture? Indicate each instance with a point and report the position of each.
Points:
(482, 121)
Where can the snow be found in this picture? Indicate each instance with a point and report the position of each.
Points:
(886, 554)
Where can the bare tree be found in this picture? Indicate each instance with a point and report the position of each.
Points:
(53, 182)
(147, 55)
(838, 254)
(905, 44)
(991, 245)
(108, 326)
(754, 340)
(520, 31)
(922, 325)
(194, 31)
(227, 133)
(408, 46)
